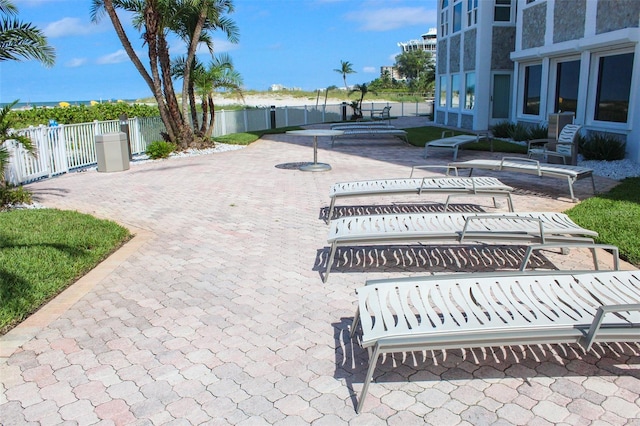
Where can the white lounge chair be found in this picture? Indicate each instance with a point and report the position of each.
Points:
(531, 227)
(532, 167)
(372, 131)
(452, 143)
(453, 185)
(487, 310)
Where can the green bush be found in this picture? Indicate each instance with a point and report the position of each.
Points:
(160, 149)
(10, 195)
(519, 132)
(502, 129)
(80, 114)
(539, 132)
(602, 147)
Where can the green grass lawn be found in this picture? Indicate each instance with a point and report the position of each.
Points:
(43, 251)
(616, 217)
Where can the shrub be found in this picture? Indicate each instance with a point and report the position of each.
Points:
(502, 129)
(602, 147)
(14, 195)
(539, 132)
(160, 149)
(520, 132)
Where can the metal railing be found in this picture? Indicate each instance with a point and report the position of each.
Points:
(70, 147)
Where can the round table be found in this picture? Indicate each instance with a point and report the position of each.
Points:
(315, 167)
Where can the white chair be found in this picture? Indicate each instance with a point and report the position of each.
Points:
(564, 147)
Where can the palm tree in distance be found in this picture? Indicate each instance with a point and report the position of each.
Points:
(345, 68)
(357, 105)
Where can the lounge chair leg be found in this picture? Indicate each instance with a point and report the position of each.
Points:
(334, 246)
(373, 360)
(331, 207)
(594, 253)
(573, 198)
(356, 322)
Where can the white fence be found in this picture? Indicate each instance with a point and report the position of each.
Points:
(71, 147)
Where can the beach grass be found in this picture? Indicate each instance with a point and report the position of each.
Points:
(43, 251)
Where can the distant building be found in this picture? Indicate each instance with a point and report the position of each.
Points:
(393, 72)
(428, 42)
(282, 88)
(520, 60)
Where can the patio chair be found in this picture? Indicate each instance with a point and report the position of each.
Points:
(384, 114)
(564, 148)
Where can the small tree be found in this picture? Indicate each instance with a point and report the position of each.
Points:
(357, 105)
(345, 68)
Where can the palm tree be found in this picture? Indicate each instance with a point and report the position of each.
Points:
(155, 19)
(21, 40)
(192, 25)
(345, 68)
(18, 40)
(220, 74)
(357, 105)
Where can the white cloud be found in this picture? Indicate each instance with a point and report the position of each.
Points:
(70, 27)
(75, 62)
(369, 70)
(113, 58)
(392, 18)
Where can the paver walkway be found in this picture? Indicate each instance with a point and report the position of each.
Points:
(216, 312)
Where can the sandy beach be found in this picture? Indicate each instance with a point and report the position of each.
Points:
(278, 99)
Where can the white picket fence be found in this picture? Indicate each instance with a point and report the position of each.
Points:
(70, 147)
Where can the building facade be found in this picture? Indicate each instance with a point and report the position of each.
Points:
(521, 60)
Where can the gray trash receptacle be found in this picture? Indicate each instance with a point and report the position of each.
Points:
(112, 152)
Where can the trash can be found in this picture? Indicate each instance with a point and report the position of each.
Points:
(112, 152)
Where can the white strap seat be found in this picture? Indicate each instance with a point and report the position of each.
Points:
(488, 310)
(452, 143)
(532, 167)
(453, 185)
(523, 228)
(372, 131)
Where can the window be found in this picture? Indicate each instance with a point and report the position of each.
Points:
(455, 91)
(568, 79)
(443, 91)
(472, 12)
(470, 90)
(614, 86)
(502, 11)
(444, 18)
(532, 83)
(457, 17)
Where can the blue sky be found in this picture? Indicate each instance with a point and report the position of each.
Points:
(296, 43)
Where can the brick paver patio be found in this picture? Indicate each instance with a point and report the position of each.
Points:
(216, 312)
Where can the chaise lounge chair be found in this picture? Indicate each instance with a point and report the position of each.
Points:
(532, 167)
(453, 185)
(527, 228)
(452, 143)
(464, 311)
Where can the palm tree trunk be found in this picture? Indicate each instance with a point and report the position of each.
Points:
(191, 54)
(151, 82)
(212, 117)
